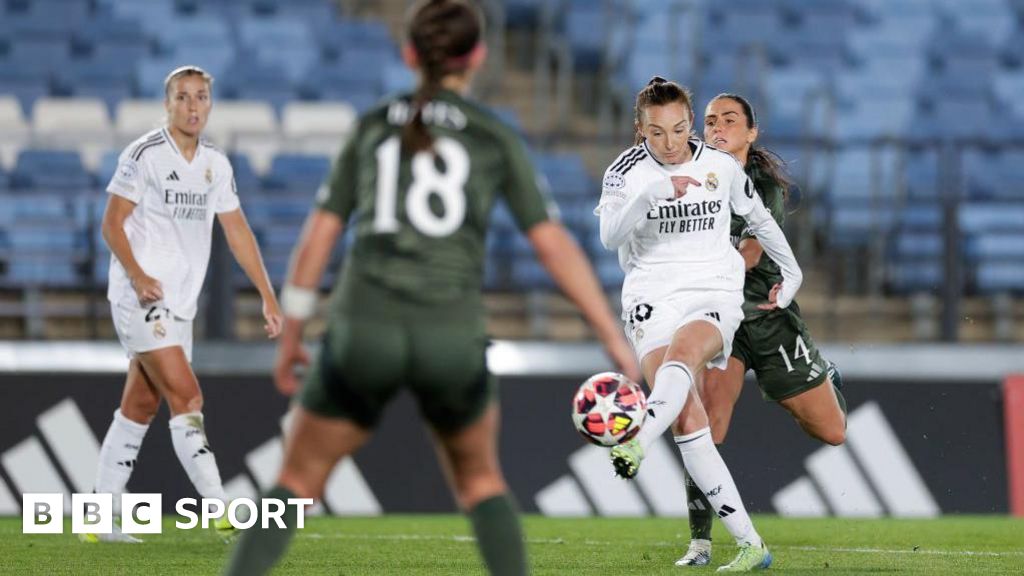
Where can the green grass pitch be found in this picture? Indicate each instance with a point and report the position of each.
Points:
(411, 545)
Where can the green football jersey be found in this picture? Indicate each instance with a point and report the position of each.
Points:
(420, 220)
(760, 279)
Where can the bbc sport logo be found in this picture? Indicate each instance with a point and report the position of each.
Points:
(43, 513)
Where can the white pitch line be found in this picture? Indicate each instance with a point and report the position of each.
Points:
(661, 544)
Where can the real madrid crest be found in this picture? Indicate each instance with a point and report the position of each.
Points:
(711, 182)
(158, 330)
(209, 176)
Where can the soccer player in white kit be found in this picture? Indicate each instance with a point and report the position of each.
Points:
(666, 205)
(158, 223)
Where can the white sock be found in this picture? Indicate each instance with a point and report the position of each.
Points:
(672, 384)
(708, 470)
(117, 456)
(189, 438)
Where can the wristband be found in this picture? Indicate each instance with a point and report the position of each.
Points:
(297, 302)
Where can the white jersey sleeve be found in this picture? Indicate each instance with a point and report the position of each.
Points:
(129, 180)
(746, 202)
(225, 190)
(623, 203)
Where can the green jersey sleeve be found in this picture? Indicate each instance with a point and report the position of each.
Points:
(775, 202)
(338, 193)
(524, 189)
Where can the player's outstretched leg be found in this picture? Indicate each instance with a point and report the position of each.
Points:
(672, 384)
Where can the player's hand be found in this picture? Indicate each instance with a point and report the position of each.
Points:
(148, 289)
(273, 317)
(773, 298)
(681, 183)
(622, 355)
(290, 356)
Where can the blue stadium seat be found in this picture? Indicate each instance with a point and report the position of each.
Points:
(283, 42)
(40, 207)
(297, 172)
(49, 237)
(909, 245)
(587, 24)
(922, 174)
(41, 270)
(996, 246)
(528, 274)
(113, 39)
(910, 276)
(108, 80)
(855, 225)
(918, 216)
(56, 170)
(250, 80)
(267, 209)
(337, 38)
(246, 179)
(995, 277)
(105, 171)
(567, 175)
(983, 217)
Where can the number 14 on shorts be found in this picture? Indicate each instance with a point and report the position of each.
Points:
(799, 351)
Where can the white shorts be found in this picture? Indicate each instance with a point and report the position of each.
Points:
(151, 328)
(651, 325)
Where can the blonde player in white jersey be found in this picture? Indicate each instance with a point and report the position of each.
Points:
(158, 223)
(666, 205)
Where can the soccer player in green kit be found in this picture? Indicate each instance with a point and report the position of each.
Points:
(774, 342)
(417, 182)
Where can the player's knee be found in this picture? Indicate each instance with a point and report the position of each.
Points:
(833, 435)
(185, 403)
(300, 484)
(471, 490)
(141, 411)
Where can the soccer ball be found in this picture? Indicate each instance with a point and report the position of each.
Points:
(609, 409)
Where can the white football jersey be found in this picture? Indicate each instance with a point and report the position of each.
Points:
(171, 227)
(684, 243)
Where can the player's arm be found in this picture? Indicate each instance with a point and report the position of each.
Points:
(246, 251)
(571, 271)
(747, 203)
(299, 296)
(118, 209)
(750, 249)
(620, 209)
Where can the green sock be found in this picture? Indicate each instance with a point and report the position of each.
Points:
(499, 536)
(700, 510)
(257, 549)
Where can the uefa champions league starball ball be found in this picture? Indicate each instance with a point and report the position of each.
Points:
(609, 409)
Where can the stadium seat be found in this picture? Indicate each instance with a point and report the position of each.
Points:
(984, 217)
(136, 117)
(317, 127)
(56, 170)
(995, 277)
(108, 80)
(299, 173)
(264, 209)
(22, 80)
(246, 180)
(40, 207)
(285, 42)
(909, 276)
(82, 124)
(108, 39)
(15, 130)
(230, 118)
(251, 80)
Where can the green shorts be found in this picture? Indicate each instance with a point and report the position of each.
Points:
(780, 351)
(367, 357)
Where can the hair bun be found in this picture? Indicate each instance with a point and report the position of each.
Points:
(657, 80)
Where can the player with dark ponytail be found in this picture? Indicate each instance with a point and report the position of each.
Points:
(774, 343)
(417, 182)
